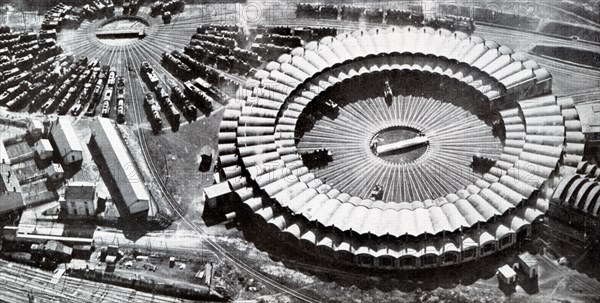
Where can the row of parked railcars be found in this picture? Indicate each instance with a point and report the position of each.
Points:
(162, 101)
(449, 16)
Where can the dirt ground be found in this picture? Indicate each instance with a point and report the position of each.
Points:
(556, 283)
(177, 155)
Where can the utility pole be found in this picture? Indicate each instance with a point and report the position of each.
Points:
(165, 239)
(149, 246)
(167, 177)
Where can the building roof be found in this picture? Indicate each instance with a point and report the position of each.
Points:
(80, 190)
(589, 115)
(64, 134)
(111, 259)
(316, 210)
(9, 184)
(58, 247)
(580, 191)
(506, 271)
(44, 145)
(4, 159)
(8, 180)
(119, 155)
(528, 259)
(36, 125)
(217, 190)
(54, 168)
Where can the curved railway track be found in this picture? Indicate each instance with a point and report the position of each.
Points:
(127, 60)
(135, 61)
(175, 37)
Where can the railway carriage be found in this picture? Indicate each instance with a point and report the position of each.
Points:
(153, 112)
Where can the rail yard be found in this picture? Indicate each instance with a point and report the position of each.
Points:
(255, 151)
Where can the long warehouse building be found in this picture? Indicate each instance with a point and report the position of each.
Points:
(122, 171)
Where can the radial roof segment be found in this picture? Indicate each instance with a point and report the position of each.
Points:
(581, 191)
(434, 213)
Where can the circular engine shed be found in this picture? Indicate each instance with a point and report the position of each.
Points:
(399, 149)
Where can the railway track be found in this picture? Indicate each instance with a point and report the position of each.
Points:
(18, 281)
(174, 37)
(487, 30)
(135, 61)
(587, 96)
(561, 67)
(578, 281)
(175, 206)
(131, 56)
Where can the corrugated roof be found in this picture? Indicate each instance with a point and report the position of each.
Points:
(464, 209)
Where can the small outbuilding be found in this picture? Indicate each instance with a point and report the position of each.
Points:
(55, 172)
(205, 159)
(111, 262)
(589, 115)
(44, 149)
(213, 193)
(36, 129)
(528, 264)
(507, 276)
(53, 250)
(66, 142)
